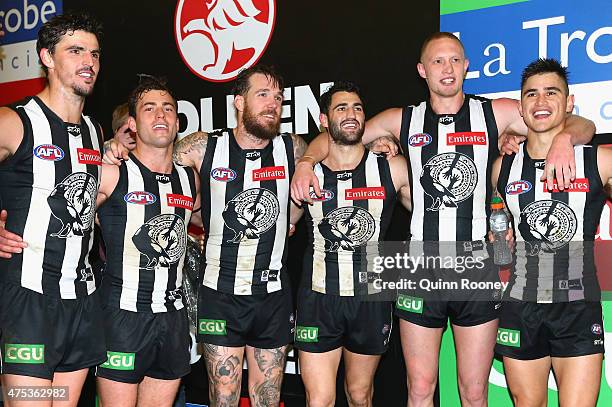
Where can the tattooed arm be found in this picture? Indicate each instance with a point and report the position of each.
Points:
(299, 147)
(189, 151)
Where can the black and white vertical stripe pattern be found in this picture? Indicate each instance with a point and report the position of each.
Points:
(468, 220)
(246, 219)
(334, 265)
(566, 273)
(53, 265)
(135, 280)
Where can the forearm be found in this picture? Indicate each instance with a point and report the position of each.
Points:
(578, 130)
(318, 148)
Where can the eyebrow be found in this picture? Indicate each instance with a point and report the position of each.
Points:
(546, 88)
(80, 48)
(346, 104)
(155, 103)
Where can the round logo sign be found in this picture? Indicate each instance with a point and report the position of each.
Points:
(219, 38)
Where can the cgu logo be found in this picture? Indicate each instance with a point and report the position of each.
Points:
(49, 152)
(219, 38)
(410, 304)
(307, 334)
(518, 187)
(28, 354)
(119, 361)
(419, 140)
(509, 337)
(140, 198)
(223, 174)
(212, 327)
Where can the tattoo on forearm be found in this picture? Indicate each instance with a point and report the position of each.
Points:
(299, 147)
(195, 142)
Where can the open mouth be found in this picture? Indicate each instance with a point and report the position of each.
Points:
(541, 114)
(160, 126)
(448, 81)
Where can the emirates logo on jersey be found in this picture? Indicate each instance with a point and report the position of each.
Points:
(48, 152)
(467, 138)
(578, 185)
(87, 156)
(269, 173)
(219, 38)
(180, 201)
(140, 198)
(356, 194)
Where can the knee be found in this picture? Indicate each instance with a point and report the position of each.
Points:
(359, 396)
(422, 387)
(473, 393)
(320, 399)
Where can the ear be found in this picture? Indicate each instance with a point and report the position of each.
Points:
(421, 70)
(570, 104)
(239, 103)
(466, 65)
(323, 120)
(132, 124)
(520, 107)
(46, 58)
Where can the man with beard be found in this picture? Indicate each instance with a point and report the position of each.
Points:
(450, 142)
(340, 312)
(244, 302)
(50, 162)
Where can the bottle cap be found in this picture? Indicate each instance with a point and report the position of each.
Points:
(497, 203)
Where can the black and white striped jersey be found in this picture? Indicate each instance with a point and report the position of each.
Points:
(449, 166)
(550, 265)
(355, 208)
(144, 225)
(245, 211)
(49, 189)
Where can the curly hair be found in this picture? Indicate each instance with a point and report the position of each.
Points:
(147, 83)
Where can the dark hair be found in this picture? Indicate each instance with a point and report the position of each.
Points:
(340, 86)
(437, 36)
(146, 84)
(548, 65)
(241, 84)
(53, 30)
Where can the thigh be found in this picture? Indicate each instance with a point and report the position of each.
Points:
(528, 380)
(318, 371)
(421, 349)
(580, 372)
(157, 392)
(13, 397)
(266, 369)
(320, 326)
(224, 368)
(474, 347)
(113, 393)
(360, 369)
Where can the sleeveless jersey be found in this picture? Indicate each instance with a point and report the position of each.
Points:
(144, 224)
(449, 164)
(245, 211)
(355, 208)
(550, 266)
(49, 188)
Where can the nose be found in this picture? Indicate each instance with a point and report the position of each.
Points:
(447, 67)
(160, 113)
(88, 59)
(350, 113)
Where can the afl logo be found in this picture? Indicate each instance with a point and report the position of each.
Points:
(326, 195)
(596, 329)
(518, 187)
(48, 152)
(223, 174)
(140, 198)
(419, 140)
(219, 38)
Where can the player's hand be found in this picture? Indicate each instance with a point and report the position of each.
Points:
(115, 152)
(510, 143)
(384, 145)
(125, 136)
(291, 229)
(560, 162)
(303, 179)
(9, 242)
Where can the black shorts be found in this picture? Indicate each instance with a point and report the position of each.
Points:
(262, 321)
(528, 330)
(41, 335)
(435, 314)
(326, 322)
(143, 344)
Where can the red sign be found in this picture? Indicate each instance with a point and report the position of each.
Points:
(356, 194)
(87, 156)
(269, 173)
(180, 201)
(579, 185)
(467, 138)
